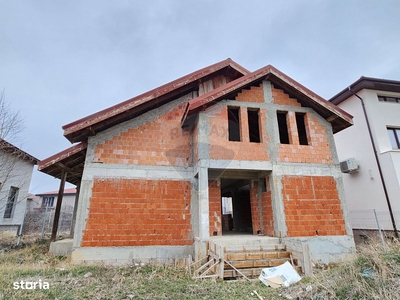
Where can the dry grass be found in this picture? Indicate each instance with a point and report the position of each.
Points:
(67, 281)
(373, 274)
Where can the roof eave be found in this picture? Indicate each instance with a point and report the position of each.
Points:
(366, 83)
(79, 130)
(58, 157)
(339, 118)
(17, 151)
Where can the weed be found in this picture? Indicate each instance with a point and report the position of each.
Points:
(373, 274)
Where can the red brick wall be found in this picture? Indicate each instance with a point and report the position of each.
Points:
(280, 97)
(222, 148)
(138, 212)
(268, 217)
(255, 211)
(317, 150)
(312, 205)
(160, 142)
(255, 94)
(215, 215)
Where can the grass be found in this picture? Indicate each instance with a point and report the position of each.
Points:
(381, 279)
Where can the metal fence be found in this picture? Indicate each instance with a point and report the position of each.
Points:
(41, 221)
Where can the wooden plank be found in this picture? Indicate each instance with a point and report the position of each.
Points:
(257, 249)
(235, 256)
(257, 255)
(257, 263)
(240, 272)
(209, 269)
(253, 255)
(279, 254)
(206, 276)
(202, 267)
(252, 272)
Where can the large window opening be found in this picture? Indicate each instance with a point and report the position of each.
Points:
(283, 128)
(12, 196)
(301, 128)
(234, 124)
(254, 125)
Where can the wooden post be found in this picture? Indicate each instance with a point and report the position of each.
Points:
(58, 207)
(78, 189)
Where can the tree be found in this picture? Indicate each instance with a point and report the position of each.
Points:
(11, 124)
(12, 176)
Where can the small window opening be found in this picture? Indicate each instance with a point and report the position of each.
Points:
(10, 202)
(301, 129)
(233, 124)
(283, 128)
(254, 125)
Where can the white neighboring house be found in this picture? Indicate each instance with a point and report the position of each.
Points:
(16, 168)
(49, 199)
(33, 202)
(365, 188)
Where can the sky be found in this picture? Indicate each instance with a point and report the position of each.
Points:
(63, 60)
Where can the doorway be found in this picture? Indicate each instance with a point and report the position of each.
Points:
(236, 207)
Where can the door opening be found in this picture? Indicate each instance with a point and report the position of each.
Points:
(236, 208)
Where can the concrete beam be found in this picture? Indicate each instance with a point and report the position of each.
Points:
(137, 171)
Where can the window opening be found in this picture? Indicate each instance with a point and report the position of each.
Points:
(389, 99)
(283, 128)
(10, 202)
(394, 136)
(254, 125)
(301, 129)
(233, 124)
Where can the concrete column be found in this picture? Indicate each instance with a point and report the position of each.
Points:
(244, 125)
(260, 208)
(203, 142)
(267, 88)
(204, 224)
(201, 222)
(278, 208)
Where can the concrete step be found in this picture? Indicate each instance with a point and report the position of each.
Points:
(237, 242)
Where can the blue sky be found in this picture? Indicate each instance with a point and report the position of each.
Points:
(61, 61)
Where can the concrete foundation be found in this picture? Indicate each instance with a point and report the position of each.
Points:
(326, 249)
(61, 247)
(129, 255)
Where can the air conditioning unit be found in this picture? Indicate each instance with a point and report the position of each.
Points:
(349, 166)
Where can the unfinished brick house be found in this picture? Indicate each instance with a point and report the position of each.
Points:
(153, 171)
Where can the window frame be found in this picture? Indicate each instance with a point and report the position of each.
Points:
(396, 135)
(385, 99)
